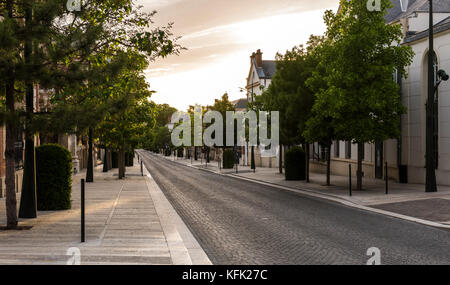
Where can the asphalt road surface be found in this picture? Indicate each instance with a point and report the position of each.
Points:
(240, 222)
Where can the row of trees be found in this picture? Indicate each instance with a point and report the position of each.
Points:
(91, 61)
(341, 87)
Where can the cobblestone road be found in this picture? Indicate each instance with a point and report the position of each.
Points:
(240, 222)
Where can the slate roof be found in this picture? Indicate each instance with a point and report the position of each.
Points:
(240, 104)
(267, 70)
(396, 13)
(439, 27)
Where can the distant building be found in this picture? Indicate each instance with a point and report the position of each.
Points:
(240, 104)
(76, 145)
(260, 75)
(259, 78)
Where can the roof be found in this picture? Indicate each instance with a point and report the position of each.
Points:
(396, 13)
(267, 70)
(439, 27)
(240, 104)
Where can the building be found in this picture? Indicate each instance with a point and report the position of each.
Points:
(406, 156)
(76, 145)
(260, 75)
(259, 78)
(240, 105)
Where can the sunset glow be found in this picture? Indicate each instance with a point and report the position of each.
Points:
(219, 46)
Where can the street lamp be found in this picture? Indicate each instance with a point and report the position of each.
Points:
(433, 84)
(430, 184)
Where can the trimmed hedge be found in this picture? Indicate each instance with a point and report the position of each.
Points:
(295, 164)
(228, 159)
(114, 159)
(129, 158)
(53, 177)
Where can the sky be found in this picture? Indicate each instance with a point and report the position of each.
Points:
(220, 36)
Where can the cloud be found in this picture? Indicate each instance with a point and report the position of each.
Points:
(220, 36)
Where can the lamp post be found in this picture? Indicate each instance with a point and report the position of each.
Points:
(430, 184)
(434, 79)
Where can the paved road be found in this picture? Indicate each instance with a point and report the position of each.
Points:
(240, 222)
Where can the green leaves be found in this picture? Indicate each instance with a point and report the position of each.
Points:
(289, 93)
(358, 99)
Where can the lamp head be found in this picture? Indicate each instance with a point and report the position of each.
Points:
(443, 75)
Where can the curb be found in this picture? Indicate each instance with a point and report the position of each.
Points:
(333, 198)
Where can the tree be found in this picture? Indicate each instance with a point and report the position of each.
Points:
(320, 126)
(289, 94)
(164, 113)
(128, 116)
(360, 97)
(42, 43)
(223, 105)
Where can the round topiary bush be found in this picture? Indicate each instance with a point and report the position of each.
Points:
(228, 159)
(295, 164)
(53, 177)
(114, 159)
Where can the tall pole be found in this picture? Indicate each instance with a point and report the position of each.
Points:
(430, 152)
(90, 166)
(28, 200)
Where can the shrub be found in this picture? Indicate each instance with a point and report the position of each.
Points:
(295, 164)
(228, 159)
(53, 177)
(129, 158)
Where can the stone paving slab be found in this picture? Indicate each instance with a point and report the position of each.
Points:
(123, 226)
(436, 210)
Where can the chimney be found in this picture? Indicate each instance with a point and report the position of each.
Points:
(258, 58)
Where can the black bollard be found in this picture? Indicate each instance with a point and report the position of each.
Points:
(83, 233)
(142, 168)
(350, 179)
(387, 178)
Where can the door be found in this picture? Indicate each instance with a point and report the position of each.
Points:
(379, 160)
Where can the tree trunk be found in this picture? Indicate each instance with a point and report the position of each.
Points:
(90, 166)
(10, 173)
(280, 163)
(121, 163)
(307, 162)
(28, 199)
(359, 170)
(328, 165)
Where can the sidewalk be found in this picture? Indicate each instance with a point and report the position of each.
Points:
(127, 222)
(403, 199)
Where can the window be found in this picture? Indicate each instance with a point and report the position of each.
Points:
(348, 149)
(337, 151)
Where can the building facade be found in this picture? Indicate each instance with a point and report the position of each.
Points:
(406, 155)
(259, 78)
